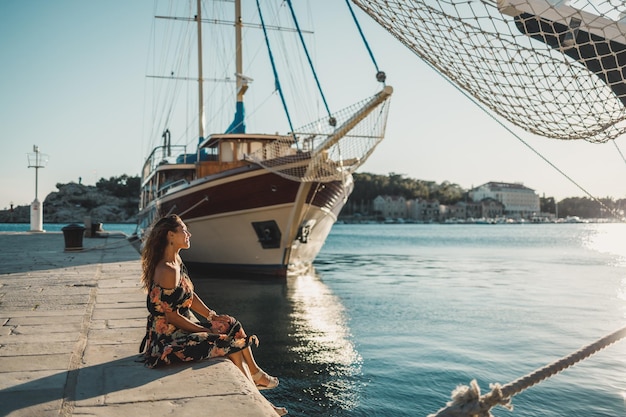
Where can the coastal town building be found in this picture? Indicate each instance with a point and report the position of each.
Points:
(390, 207)
(491, 208)
(518, 201)
(487, 208)
(424, 210)
(493, 200)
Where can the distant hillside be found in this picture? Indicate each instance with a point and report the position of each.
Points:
(115, 200)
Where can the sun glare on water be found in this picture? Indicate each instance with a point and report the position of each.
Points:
(609, 239)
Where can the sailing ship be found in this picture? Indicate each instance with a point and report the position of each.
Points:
(259, 203)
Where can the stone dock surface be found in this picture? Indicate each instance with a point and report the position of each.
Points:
(72, 322)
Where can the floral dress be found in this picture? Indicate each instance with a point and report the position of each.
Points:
(164, 343)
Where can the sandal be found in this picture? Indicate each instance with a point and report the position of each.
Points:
(273, 381)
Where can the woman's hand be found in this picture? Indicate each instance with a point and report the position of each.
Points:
(182, 322)
(224, 318)
(222, 323)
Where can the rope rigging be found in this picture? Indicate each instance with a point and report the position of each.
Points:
(467, 401)
(380, 75)
(331, 120)
(556, 69)
(275, 72)
(324, 150)
(553, 68)
(613, 212)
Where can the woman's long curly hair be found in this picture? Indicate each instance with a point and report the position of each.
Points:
(154, 247)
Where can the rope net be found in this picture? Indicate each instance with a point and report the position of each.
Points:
(552, 67)
(329, 152)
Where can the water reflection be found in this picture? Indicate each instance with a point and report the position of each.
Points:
(609, 239)
(320, 322)
(322, 338)
(305, 338)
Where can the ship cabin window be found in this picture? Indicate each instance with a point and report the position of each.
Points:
(227, 151)
(237, 150)
(232, 150)
(148, 191)
(211, 153)
(255, 146)
(241, 150)
(173, 178)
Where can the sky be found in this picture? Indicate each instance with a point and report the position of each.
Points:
(73, 82)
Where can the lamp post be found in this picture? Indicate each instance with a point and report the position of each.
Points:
(36, 160)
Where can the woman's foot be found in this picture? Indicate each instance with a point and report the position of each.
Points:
(264, 381)
(281, 411)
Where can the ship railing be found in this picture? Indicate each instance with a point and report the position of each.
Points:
(163, 155)
(166, 187)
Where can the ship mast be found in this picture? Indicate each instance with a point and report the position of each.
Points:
(238, 126)
(241, 84)
(200, 81)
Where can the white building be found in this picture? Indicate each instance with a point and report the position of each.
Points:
(391, 207)
(519, 201)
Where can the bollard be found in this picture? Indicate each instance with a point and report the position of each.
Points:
(87, 226)
(73, 235)
(95, 229)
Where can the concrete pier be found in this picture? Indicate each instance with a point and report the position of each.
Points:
(72, 322)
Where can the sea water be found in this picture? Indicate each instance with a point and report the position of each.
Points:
(126, 228)
(395, 317)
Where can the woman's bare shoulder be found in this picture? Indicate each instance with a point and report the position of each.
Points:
(165, 275)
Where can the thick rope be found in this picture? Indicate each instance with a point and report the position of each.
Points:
(467, 401)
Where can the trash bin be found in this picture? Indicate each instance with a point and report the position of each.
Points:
(73, 235)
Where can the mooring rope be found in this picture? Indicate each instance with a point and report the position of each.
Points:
(467, 401)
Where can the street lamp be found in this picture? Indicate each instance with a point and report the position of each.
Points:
(36, 160)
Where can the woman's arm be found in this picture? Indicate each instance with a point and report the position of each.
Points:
(199, 307)
(174, 318)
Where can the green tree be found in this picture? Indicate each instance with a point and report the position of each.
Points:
(122, 186)
(448, 193)
(547, 205)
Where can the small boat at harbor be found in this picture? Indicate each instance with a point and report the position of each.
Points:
(259, 203)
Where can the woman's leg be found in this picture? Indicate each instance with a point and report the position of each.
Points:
(265, 380)
(249, 358)
(237, 358)
(259, 377)
(245, 359)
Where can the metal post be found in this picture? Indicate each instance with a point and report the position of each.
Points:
(200, 79)
(36, 160)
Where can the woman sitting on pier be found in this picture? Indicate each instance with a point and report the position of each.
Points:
(173, 334)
